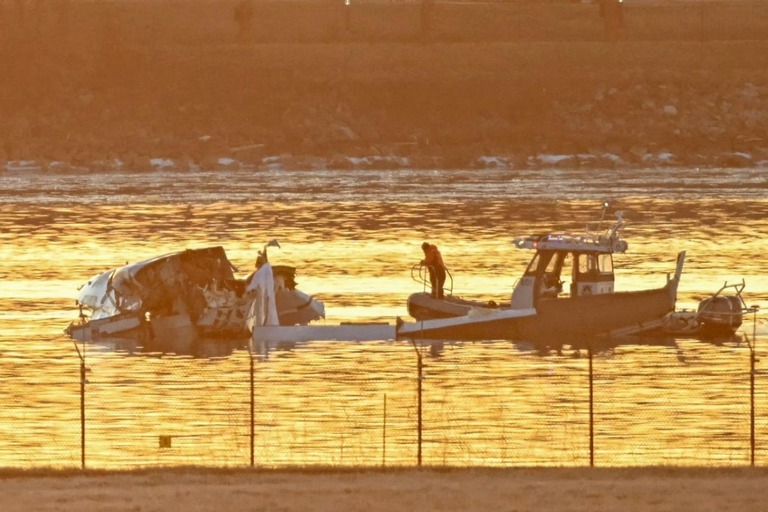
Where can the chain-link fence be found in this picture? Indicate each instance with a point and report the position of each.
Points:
(394, 404)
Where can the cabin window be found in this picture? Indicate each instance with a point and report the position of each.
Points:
(595, 267)
(533, 265)
(552, 265)
(566, 268)
(560, 261)
(587, 264)
(605, 263)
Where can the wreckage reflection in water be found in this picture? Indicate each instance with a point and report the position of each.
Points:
(353, 237)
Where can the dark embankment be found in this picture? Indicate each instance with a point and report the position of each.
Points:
(86, 83)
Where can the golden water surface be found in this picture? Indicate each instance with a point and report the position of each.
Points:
(354, 236)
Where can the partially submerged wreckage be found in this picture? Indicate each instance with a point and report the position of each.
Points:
(192, 294)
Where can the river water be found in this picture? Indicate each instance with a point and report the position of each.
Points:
(354, 236)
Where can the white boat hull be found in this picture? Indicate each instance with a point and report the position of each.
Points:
(341, 332)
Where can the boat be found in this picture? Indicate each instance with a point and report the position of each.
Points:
(188, 294)
(716, 317)
(565, 293)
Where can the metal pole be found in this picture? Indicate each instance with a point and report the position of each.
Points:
(81, 355)
(751, 404)
(384, 435)
(591, 411)
(419, 367)
(752, 361)
(253, 404)
(82, 413)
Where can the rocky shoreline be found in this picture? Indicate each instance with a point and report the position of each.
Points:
(289, 161)
(104, 96)
(607, 126)
(625, 124)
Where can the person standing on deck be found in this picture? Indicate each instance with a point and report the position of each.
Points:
(433, 260)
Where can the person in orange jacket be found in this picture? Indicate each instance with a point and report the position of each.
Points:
(433, 260)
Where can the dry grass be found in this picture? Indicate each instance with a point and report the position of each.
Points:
(190, 489)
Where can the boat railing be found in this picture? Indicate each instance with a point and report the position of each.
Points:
(420, 274)
(594, 236)
(737, 289)
(609, 236)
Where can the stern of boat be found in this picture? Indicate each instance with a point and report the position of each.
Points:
(674, 282)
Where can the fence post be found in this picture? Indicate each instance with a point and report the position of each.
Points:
(253, 403)
(752, 361)
(752, 404)
(419, 366)
(384, 435)
(591, 410)
(81, 355)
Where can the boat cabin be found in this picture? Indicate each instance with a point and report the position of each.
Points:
(567, 265)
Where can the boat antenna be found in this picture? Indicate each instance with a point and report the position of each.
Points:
(602, 216)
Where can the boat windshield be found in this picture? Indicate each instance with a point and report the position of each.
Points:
(591, 264)
(533, 265)
(549, 262)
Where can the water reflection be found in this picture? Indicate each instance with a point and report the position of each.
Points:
(197, 348)
(604, 347)
(354, 236)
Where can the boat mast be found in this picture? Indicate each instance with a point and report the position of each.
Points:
(602, 216)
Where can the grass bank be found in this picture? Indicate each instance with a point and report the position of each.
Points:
(91, 81)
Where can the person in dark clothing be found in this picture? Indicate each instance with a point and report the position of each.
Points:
(433, 260)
